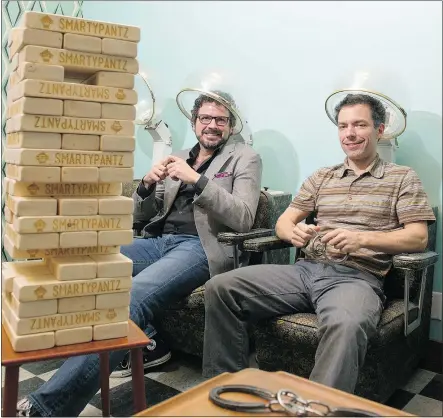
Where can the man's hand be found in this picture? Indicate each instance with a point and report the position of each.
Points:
(302, 233)
(344, 240)
(157, 173)
(178, 169)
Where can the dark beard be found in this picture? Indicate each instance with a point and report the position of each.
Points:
(212, 146)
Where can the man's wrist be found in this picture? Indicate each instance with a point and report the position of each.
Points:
(196, 179)
(365, 239)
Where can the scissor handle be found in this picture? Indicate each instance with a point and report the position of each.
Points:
(214, 396)
(325, 253)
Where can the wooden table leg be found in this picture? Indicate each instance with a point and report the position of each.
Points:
(10, 391)
(138, 379)
(104, 383)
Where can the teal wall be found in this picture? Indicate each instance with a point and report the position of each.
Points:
(287, 56)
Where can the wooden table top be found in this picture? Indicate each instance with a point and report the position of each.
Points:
(136, 338)
(195, 402)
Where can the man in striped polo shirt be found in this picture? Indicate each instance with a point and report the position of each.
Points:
(367, 208)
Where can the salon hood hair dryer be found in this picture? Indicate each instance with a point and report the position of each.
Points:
(148, 115)
(384, 87)
(222, 87)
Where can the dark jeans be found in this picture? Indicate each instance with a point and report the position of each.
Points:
(165, 270)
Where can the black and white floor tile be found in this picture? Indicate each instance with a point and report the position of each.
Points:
(422, 395)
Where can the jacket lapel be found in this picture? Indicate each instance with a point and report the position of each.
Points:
(220, 160)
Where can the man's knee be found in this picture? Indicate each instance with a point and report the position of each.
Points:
(220, 286)
(350, 327)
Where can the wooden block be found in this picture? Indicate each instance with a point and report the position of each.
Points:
(109, 175)
(13, 80)
(72, 91)
(65, 124)
(73, 336)
(78, 239)
(78, 206)
(79, 174)
(31, 241)
(82, 26)
(17, 268)
(76, 304)
(33, 309)
(34, 140)
(117, 143)
(20, 37)
(80, 267)
(16, 188)
(56, 252)
(34, 106)
(32, 206)
(31, 174)
(23, 343)
(113, 265)
(114, 111)
(9, 216)
(14, 62)
(81, 142)
(116, 205)
(24, 326)
(68, 158)
(80, 109)
(119, 48)
(108, 331)
(27, 289)
(7, 281)
(82, 43)
(124, 237)
(111, 79)
(34, 71)
(44, 224)
(112, 300)
(26, 267)
(81, 62)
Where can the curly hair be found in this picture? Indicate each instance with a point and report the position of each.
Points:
(377, 109)
(208, 99)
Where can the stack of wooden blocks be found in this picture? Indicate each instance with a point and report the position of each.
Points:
(69, 147)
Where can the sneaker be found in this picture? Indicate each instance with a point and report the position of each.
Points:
(154, 354)
(26, 409)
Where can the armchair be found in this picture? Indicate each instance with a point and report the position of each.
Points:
(183, 323)
(289, 342)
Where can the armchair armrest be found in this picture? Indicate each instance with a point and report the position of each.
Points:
(412, 263)
(268, 243)
(233, 238)
(415, 261)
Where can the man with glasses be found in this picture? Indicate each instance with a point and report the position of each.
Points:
(184, 202)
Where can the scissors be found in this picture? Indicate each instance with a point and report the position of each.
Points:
(319, 250)
(284, 401)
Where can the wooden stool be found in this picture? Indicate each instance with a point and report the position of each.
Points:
(135, 341)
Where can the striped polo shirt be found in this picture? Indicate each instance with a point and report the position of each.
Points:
(383, 198)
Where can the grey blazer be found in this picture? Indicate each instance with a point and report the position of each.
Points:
(228, 202)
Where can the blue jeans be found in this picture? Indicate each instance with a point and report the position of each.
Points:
(165, 269)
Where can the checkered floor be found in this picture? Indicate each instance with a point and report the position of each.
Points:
(423, 395)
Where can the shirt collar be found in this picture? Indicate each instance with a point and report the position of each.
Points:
(376, 169)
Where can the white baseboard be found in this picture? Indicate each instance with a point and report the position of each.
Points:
(436, 305)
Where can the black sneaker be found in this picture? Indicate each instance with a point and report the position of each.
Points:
(26, 409)
(154, 354)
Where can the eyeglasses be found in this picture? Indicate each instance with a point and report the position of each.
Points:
(219, 120)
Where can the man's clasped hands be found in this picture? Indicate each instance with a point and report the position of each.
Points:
(174, 167)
